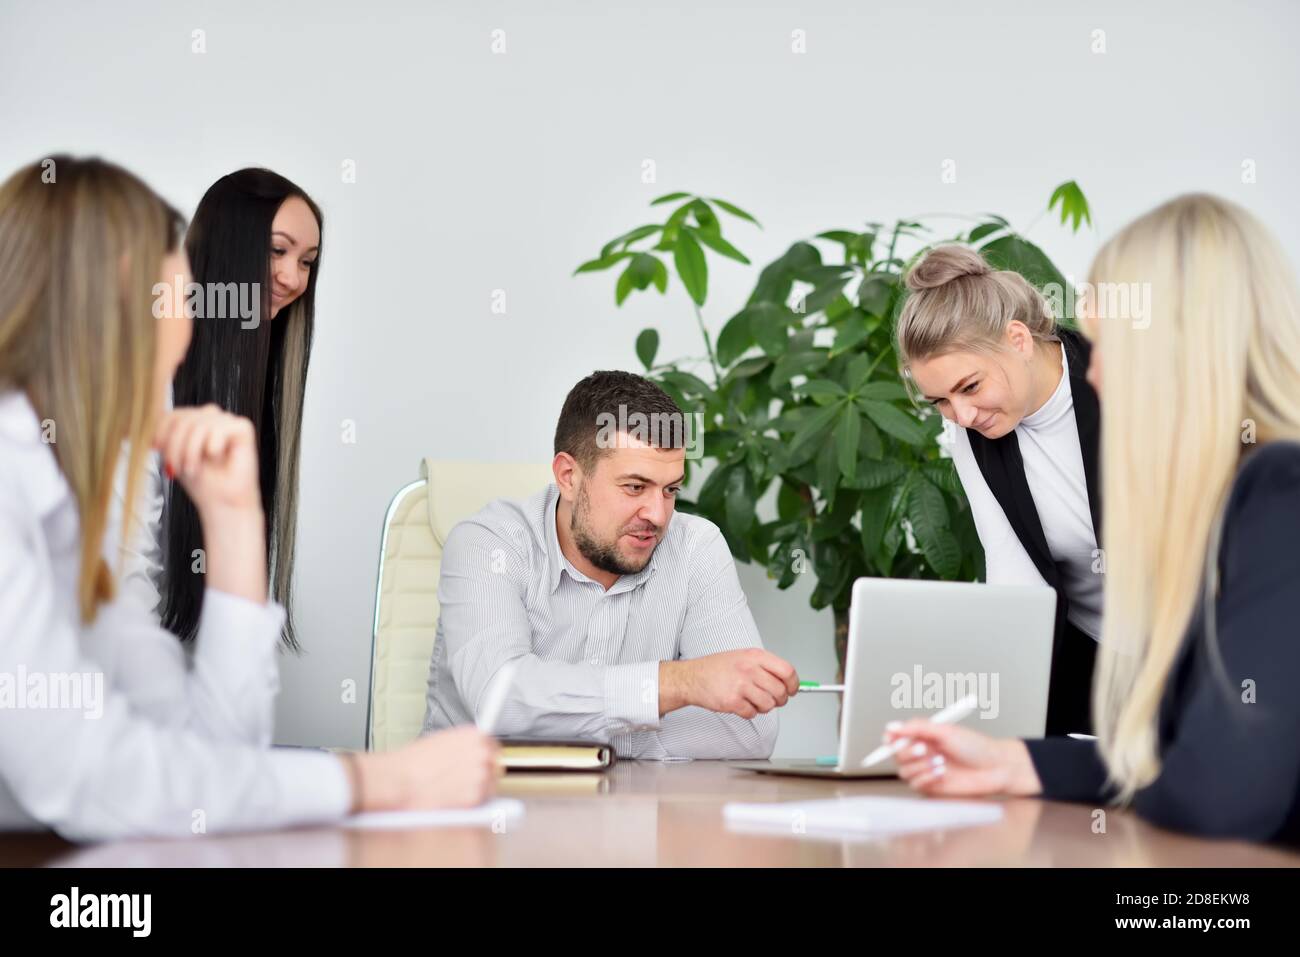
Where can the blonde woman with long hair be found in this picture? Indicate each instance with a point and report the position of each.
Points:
(1198, 718)
(117, 734)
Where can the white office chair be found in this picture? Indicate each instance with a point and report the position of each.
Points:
(417, 523)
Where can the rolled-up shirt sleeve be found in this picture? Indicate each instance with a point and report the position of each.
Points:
(107, 769)
(718, 619)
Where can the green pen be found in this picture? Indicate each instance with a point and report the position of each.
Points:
(818, 686)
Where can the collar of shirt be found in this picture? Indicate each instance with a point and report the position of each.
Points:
(1060, 402)
(23, 443)
(557, 563)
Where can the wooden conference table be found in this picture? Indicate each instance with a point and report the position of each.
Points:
(648, 814)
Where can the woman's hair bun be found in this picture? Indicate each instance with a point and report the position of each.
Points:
(943, 264)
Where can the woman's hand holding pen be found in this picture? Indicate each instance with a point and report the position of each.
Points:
(949, 760)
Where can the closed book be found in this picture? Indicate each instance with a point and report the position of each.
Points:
(530, 754)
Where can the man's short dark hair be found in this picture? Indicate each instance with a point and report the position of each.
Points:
(599, 396)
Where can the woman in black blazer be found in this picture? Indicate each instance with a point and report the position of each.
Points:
(1023, 428)
(1195, 694)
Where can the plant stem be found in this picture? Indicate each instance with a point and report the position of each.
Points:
(875, 362)
(1025, 232)
(893, 240)
(708, 345)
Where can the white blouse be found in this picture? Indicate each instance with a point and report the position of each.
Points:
(174, 742)
(135, 554)
(1049, 446)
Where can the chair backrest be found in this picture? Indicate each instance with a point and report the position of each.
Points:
(417, 523)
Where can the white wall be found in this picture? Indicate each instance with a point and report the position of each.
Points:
(479, 172)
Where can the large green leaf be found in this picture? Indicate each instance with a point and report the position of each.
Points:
(745, 369)
(852, 332)
(885, 389)
(821, 297)
(828, 472)
(847, 432)
(629, 237)
(645, 269)
(777, 277)
(873, 475)
(736, 211)
(790, 503)
(874, 293)
(719, 245)
(823, 391)
(647, 344)
(894, 421)
(1022, 256)
(795, 363)
(706, 220)
(928, 514)
(626, 283)
(740, 331)
(944, 475)
(1074, 205)
(875, 516)
(857, 371)
(602, 262)
(736, 337)
(872, 446)
(690, 384)
(689, 259)
(740, 502)
(769, 328)
(835, 519)
(660, 277)
(814, 428)
(983, 230)
(714, 489)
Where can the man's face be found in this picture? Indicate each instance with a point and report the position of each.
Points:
(625, 503)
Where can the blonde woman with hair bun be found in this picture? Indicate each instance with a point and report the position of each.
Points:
(1198, 719)
(984, 348)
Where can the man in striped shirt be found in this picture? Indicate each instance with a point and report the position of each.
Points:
(626, 620)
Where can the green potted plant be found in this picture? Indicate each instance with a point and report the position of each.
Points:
(801, 389)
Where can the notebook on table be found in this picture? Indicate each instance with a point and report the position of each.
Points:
(534, 754)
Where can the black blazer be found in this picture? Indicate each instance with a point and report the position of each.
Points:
(1069, 694)
(1230, 760)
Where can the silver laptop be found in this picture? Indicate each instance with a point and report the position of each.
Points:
(916, 647)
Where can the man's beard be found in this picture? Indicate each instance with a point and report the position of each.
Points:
(604, 555)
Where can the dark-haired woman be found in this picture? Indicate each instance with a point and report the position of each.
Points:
(254, 247)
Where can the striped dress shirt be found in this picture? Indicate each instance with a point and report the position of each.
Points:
(587, 658)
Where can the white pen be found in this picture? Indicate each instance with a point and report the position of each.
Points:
(496, 697)
(949, 715)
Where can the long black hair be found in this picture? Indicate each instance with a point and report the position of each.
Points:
(257, 371)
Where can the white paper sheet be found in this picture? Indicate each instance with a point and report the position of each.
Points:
(494, 813)
(861, 816)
